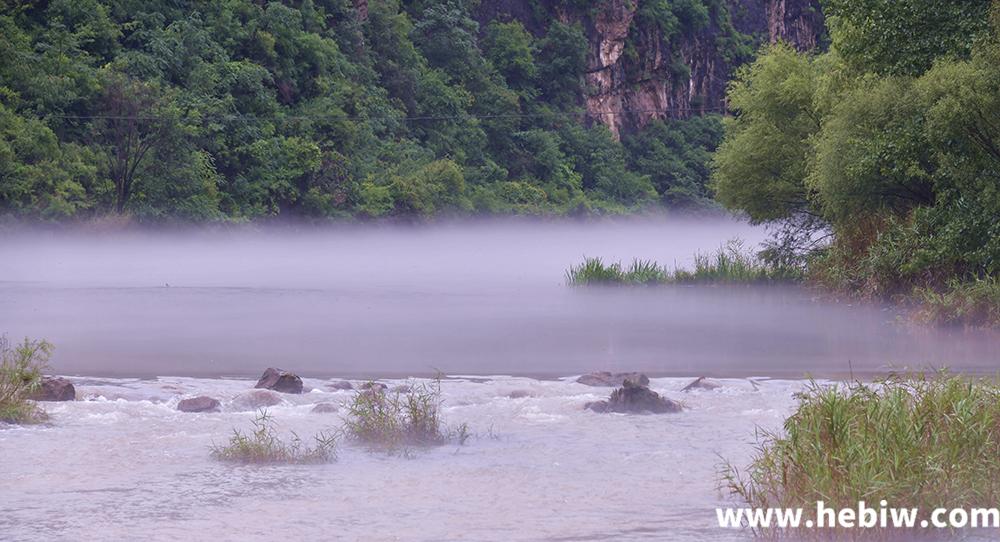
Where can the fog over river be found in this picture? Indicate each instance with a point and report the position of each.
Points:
(143, 320)
(483, 297)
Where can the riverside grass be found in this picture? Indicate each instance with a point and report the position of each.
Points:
(263, 446)
(21, 369)
(395, 422)
(914, 440)
(730, 264)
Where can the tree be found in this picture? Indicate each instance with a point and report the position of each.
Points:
(134, 120)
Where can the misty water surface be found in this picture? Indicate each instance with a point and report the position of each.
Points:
(481, 297)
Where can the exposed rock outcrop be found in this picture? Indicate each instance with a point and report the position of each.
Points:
(635, 398)
(612, 380)
(634, 66)
(280, 381)
(198, 404)
(54, 388)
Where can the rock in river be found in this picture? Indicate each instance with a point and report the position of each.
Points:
(198, 404)
(340, 385)
(633, 397)
(252, 400)
(54, 388)
(279, 380)
(702, 383)
(612, 380)
(323, 408)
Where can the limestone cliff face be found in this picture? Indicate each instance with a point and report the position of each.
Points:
(634, 67)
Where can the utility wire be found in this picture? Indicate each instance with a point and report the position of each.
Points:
(233, 116)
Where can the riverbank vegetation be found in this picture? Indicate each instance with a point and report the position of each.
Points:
(887, 144)
(729, 264)
(263, 445)
(21, 369)
(396, 421)
(914, 440)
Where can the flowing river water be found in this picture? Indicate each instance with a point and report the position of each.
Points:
(141, 321)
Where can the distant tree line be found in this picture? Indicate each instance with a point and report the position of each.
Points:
(241, 110)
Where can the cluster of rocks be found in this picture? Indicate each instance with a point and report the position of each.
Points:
(273, 380)
(632, 393)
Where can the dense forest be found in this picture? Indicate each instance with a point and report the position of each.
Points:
(243, 110)
(888, 144)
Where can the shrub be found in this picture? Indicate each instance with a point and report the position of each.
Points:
(395, 421)
(20, 374)
(262, 445)
(913, 440)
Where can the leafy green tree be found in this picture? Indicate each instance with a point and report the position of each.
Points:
(904, 37)
(762, 162)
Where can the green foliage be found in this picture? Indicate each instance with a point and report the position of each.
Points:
(904, 37)
(891, 141)
(241, 110)
(676, 155)
(263, 446)
(21, 369)
(761, 165)
(914, 440)
(394, 422)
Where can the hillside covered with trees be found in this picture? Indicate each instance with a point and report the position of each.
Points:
(242, 110)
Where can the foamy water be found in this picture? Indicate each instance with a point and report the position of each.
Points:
(124, 464)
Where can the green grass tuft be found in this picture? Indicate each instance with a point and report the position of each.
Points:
(20, 375)
(394, 421)
(263, 446)
(913, 440)
(730, 264)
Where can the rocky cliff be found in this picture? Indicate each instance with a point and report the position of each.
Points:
(648, 60)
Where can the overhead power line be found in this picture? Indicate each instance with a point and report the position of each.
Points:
(233, 116)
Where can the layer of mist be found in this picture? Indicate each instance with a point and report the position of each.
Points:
(478, 297)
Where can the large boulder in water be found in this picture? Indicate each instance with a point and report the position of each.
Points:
(54, 388)
(279, 380)
(252, 400)
(612, 380)
(634, 397)
(198, 404)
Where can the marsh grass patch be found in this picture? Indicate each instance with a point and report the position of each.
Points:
(262, 445)
(915, 440)
(397, 422)
(732, 263)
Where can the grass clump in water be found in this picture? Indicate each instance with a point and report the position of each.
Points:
(730, 264)
(914, 440)
(396, 421)
(21, 369)
(262, 446)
